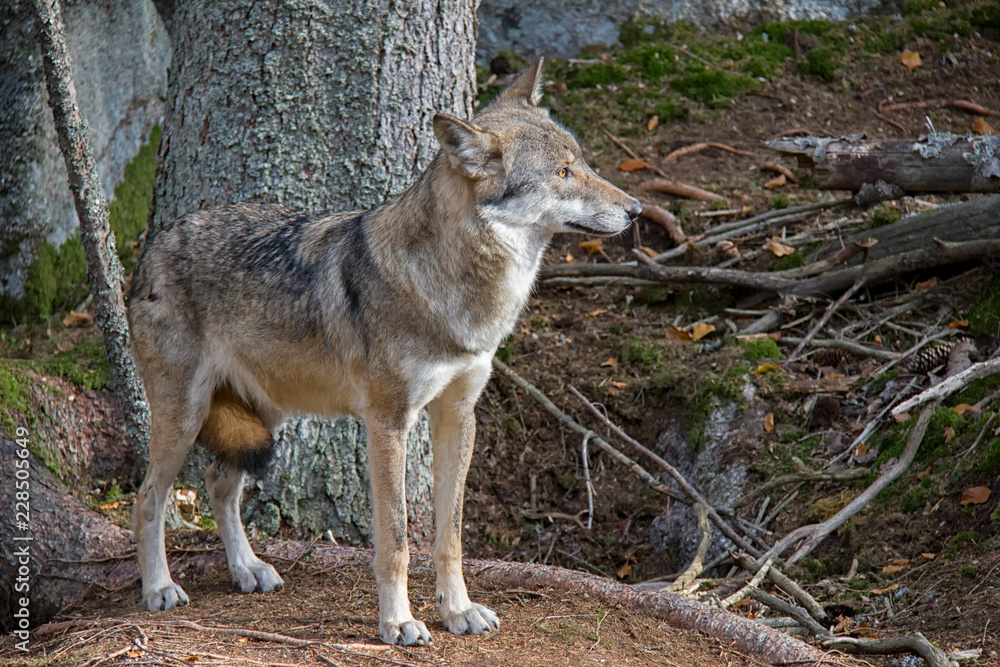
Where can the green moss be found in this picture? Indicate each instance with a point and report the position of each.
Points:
(809, 181)
(713, 88)
(56, 278)
(129, 208)
(879, 384)
(885, 215)
(507, 351)
(820, 62)
(792, 261)
(591, 76)
(758, 350)
(643, 353)
(652, 296)
(620, 329)
(652, 61)
(13, 397)
(984, 315)
(977, 391)
(670, 107)
(990, 461)
(815, 566)
(779, 201)
(86, 365)
(703, 299)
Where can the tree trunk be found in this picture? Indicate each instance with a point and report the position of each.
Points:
(321, 109)
(937, 163)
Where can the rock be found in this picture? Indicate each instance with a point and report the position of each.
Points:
(561, 28)
(120, 52)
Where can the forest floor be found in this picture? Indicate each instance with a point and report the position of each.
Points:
(917, 559)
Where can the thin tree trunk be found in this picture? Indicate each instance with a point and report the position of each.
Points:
(319, 108)
(103, 266)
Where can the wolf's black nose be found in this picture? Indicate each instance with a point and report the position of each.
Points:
(635, 210)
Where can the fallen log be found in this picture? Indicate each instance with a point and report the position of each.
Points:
(939, 162)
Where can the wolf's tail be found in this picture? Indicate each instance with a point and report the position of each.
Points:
(236, 434)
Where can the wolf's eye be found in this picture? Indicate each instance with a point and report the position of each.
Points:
(563, 173)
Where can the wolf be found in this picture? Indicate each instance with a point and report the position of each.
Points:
(246, 314)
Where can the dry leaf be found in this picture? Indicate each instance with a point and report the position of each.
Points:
(777, 248)
(962, 408)
(619, 385)
(653, 123)
(923, 473)
(776, 182)
(596, 312)
(569, 258)
(929, 556)
(133, 654)
(769, 422)
(109, 506)
(878, 339)
(647, 251)
(609, 363)
(927, 284)
(977, 495)
(910, 59)
(765, 368)
(861, 449)
(624, 571)
(949, 433)
(678, 334)
(883, 591)
(902, 417)
(592, 246)
(980, 126)
(701, 330)
(896, 566)
(958, 324)
(632, 164)
(75, 318)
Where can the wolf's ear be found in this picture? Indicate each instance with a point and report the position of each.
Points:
(471, 150)
(527, 86)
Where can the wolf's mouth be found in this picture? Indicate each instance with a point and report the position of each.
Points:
(580, 228)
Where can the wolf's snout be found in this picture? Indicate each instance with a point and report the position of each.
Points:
(634, 210)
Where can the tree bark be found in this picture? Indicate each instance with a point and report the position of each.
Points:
(937, 163)
(103, 267)
(321, 109)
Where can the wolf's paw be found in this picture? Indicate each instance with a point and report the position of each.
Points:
(255, 575)
(473, 620)
(165, 597)
(407, 633)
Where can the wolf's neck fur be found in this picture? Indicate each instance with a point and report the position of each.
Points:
(474, 275)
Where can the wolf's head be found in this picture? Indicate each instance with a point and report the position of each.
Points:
(527, 171)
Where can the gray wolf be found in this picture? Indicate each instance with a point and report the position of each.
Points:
(249, 313)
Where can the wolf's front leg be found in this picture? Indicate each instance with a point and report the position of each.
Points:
(387, 459)
(453, 431)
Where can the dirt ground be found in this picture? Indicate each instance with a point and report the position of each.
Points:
(948, 588)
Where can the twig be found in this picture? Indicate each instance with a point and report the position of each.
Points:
(788, 609)
(830, 310)
(750, 586)
(964, 105)
(697, 565)
(779, 169)
(667, 220)
(915, 643)
(678, 189)
(941, 391)
(621, 144)
(886, 119)
(691, 492)
(570, 423)
(850, 346)
(673, 156)
(815, 533)
(586, 480)
(781, 580)
(845, 475)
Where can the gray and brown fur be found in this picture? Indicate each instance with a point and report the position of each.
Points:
(246, 314)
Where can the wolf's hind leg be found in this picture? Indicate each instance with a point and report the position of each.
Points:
(453, 433)
(225, 486)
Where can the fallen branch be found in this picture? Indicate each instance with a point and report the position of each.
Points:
(677, 189)
(673, 156)
(813, 534)
(850, 346)
(946, 388)
(915, 643)
(675, 474)
(750, 586)
(827, 314)
(845, 475)
(741, 633)
(697, 565)
(789, 609)
(779, 169)
(570, 423)
(781, 580)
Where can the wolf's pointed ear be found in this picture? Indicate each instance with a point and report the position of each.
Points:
(527, 86)
(471, 150)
